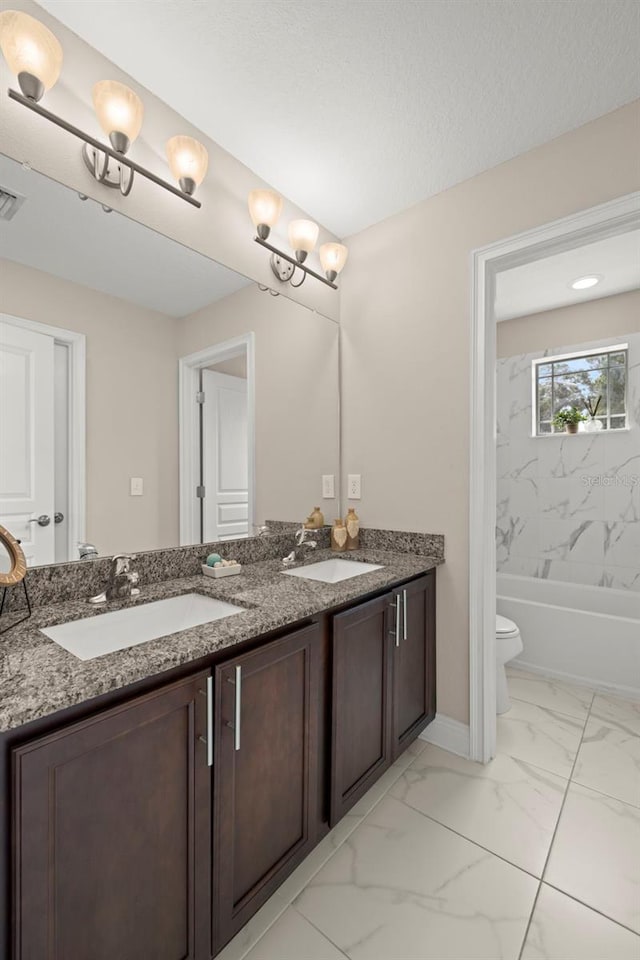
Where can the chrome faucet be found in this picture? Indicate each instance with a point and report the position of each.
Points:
(122, 580)
(301, 541)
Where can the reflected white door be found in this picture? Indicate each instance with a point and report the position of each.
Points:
(26, 439)
(224, 457)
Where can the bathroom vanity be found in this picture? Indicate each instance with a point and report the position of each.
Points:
(155, 819)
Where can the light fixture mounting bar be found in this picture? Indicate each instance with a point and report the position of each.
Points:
(86, 138)
(296, 263)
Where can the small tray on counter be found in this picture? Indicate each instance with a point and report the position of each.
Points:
(218, 572)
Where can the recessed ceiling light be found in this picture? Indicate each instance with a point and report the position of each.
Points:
(583, 283)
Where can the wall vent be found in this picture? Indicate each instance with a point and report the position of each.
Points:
(10, 203)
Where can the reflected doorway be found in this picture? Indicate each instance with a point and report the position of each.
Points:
(217, 442)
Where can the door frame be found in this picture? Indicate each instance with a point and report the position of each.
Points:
(188, 385)
(76, 344)
(596, 223)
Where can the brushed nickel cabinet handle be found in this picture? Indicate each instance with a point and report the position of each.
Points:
(208, 740)
(238, 705)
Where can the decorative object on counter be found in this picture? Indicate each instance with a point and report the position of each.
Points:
(265, 207)
(34, 56)
(221, 568)
(570, 418)
(592, 425)
(213, 558)
(315, 520)
(339, 536)
(12, 557)
(352, 523)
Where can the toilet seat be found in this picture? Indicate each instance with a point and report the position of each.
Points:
(505, 627)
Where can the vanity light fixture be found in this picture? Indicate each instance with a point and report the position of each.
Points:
(34, 55)
(265, 207)
(584, 283)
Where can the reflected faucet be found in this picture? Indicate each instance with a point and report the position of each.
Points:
(301, 541)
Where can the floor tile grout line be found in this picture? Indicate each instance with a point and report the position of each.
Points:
(475, 843)
(566, 792)
(528, 927)
(541, 706)
(588, 906)
(321, 932)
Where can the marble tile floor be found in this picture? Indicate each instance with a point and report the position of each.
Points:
(535, 856)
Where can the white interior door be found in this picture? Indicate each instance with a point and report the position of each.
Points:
(224, 457)
(26, 439)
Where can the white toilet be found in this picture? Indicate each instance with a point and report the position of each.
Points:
(508, 646)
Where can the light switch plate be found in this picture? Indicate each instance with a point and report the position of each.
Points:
(136, 486)
(328, 486)
(353, 486)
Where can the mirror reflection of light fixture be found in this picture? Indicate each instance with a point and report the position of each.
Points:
(188, 162)
(265, 207)
(31, 51)
(34, 55)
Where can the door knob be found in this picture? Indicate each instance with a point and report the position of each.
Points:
(43, 520)
(58, 517)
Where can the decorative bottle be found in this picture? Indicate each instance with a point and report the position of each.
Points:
(338, 536)
(352, 523)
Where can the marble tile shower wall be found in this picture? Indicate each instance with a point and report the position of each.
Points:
(568, 507)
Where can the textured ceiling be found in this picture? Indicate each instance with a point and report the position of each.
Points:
(356, 109)
(546, 284)
(55, 232)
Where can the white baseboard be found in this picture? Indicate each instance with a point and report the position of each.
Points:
(449, 734)
(629, 693)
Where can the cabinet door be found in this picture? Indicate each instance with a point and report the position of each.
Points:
(362, 695)
(414, 661)
(112, 834)
(265, 773)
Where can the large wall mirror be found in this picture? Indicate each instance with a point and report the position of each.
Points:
(148, 396)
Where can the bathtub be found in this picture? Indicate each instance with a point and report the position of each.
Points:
(574, 632)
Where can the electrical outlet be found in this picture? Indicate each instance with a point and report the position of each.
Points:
(136, 486)
(328, 486)
(353, 486)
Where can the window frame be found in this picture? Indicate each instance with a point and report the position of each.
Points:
(578, 355)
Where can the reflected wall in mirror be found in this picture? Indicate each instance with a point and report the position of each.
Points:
(110, 337)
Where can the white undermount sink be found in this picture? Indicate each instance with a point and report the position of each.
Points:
(104, 633)
(333, 571)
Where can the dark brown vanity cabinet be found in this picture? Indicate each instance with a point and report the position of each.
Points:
(265, 773)
(112, 834)
(414, 661)
(383, 686)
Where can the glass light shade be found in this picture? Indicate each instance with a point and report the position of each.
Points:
(303, 235)
(333, 257)
(29, 47)
(265, 206)
(188, 159)
(119, 109)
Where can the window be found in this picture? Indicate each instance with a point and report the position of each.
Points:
(581, 380)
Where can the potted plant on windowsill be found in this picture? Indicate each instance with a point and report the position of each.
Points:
(569, 418)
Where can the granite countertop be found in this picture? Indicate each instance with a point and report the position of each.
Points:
(38, 677)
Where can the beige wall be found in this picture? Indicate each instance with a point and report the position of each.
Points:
(406, 322)
(132, 404)
(221, 230)
(593, 320)
(297, 403)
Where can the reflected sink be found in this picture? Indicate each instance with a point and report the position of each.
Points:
(104, 633)
(333, 571)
